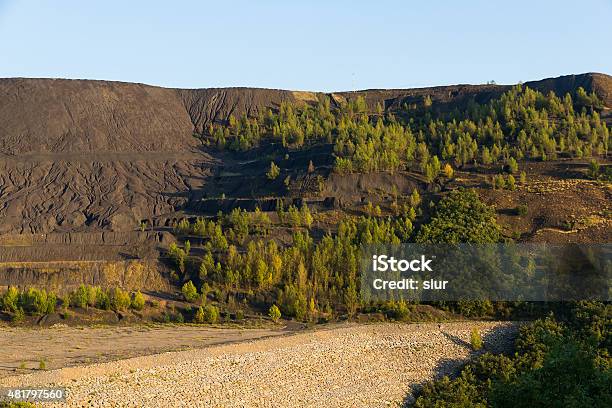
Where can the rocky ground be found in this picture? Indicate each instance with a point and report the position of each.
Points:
(350, 365)
(59, 346)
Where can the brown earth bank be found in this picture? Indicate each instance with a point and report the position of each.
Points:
(376, 365)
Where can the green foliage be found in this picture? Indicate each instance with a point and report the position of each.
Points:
(211, 314)
(119, 299)
(511, 182)
(176, 254)
(190, 292)
(274, 171)
(138, 301)
(80, 297)
(10, 299)
(555, 365)
(475, 339)
(520, 123)
(512, 165)
(569, 377)
(274, 313)
(32, 301)
(461, 217)
(19, 315)
(200, 316)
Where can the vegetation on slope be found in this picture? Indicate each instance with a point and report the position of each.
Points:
(559, 362)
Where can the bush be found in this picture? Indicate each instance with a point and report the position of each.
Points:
(138, 301)
(19, 315)
(475, 339)
(461, 217)
(119, 299)
(102, 300)
(568, 377)
(38, 301)
(274, 313)
(211, 314)
(9, 300)
(398, 310)
(199, 316)
(80, 297)
(51, 302)
(190, 292)
(274, 171)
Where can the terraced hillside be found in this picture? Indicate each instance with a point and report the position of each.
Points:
(83, 158)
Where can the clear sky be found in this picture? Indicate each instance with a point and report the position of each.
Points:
(311, 45)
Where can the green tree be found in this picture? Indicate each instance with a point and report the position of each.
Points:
(211, 314)
(511, 182)
(200, 317)
(190, 292)
(274, 171)
(274, 313)
(138, 301)
(461, 217)
(512, 165)
(475, 339)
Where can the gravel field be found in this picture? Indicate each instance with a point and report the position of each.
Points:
(350, 365)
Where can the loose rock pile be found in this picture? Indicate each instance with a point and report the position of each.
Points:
(375, 365)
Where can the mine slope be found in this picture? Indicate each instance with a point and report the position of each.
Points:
(81, 158)
(79, 155)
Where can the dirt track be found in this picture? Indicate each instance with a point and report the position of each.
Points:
(351, 365)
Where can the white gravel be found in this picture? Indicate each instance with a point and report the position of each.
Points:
(349, 365)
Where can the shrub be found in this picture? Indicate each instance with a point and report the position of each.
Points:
(102, 300)
(274, 171)
(511, 182)
(92, 294)
(190, 292)
(19, 315)
(119, 299)
(211, 314)
(398, 310)
(38, 301)
(593, 171)
(80, 297)
(475, 339)
(9, 300)
(199, 316)
(461, 217)
(448, 171)
(512, 165)
(138, 301)
(274, 313)
(51, 303)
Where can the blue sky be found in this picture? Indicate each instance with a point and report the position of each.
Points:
(310, 45)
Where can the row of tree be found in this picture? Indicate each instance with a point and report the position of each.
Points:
(522, 123)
